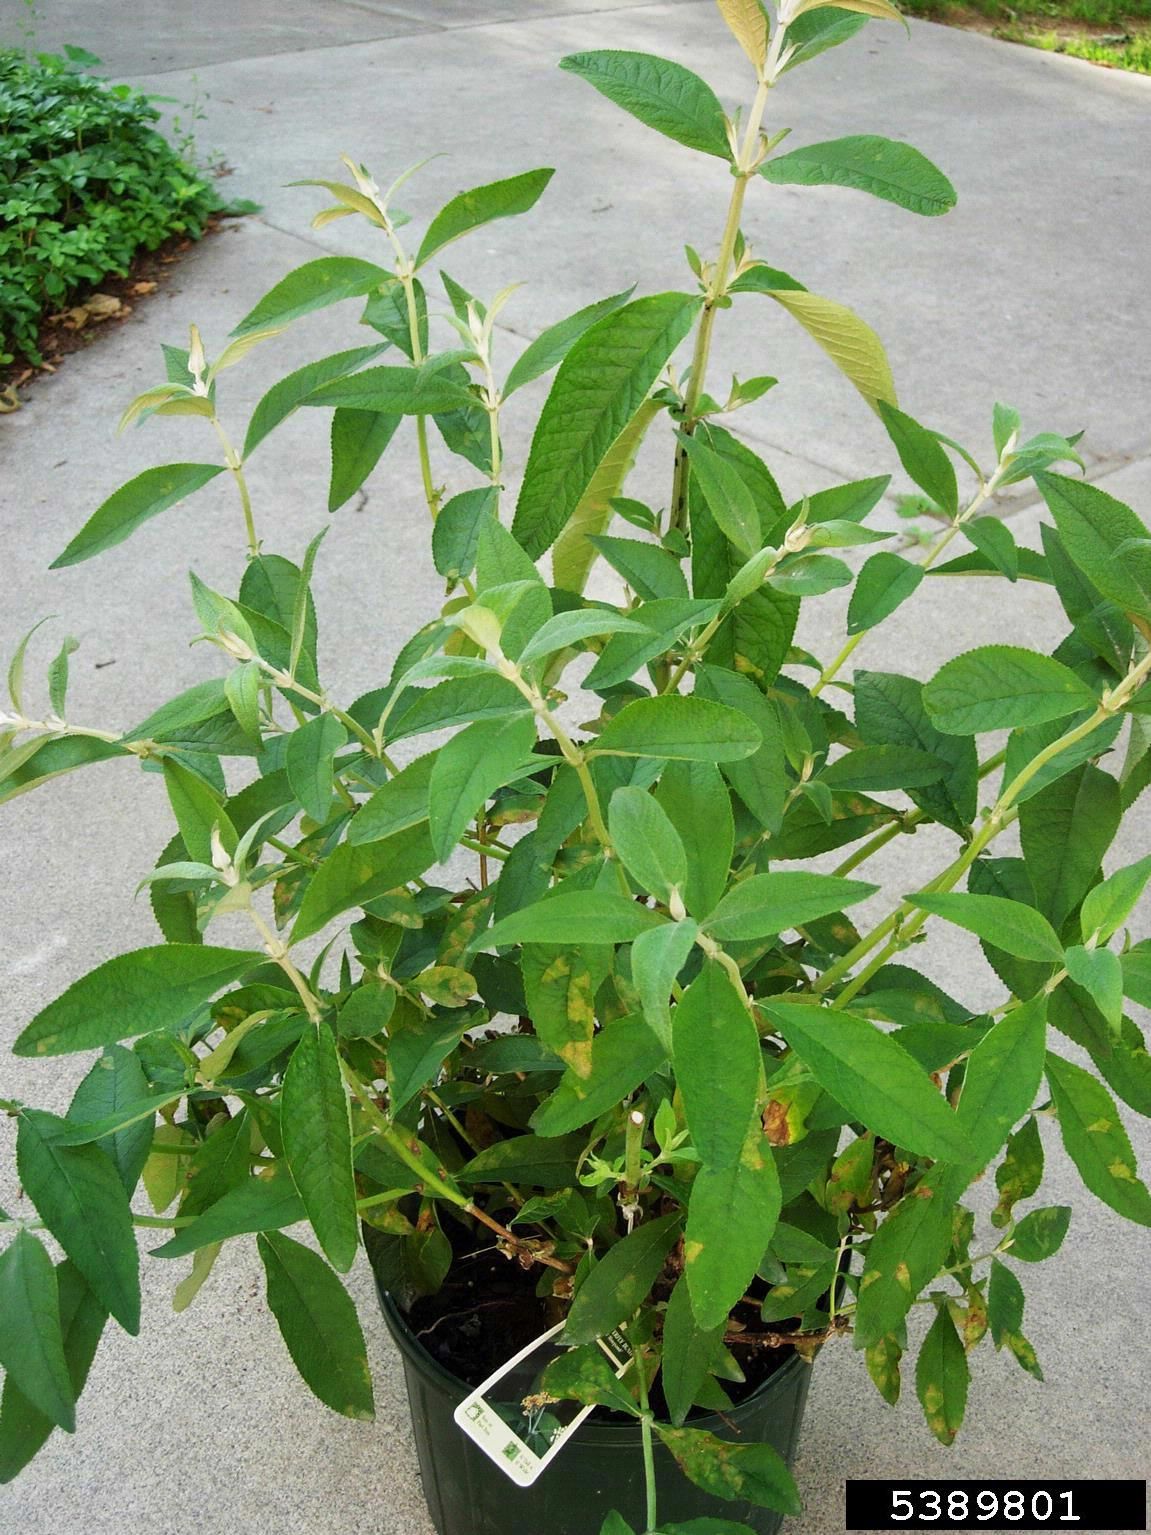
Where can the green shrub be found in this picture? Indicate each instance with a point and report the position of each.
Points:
(85, 183)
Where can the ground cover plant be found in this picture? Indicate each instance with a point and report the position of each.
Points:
(86, 182)
(1113, 32)
(583, 980)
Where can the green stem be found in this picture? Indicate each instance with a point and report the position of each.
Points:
(645, 1424)
(236, 468)
(396, 1142)
(278, 951)
(717, 289)
(907, 919)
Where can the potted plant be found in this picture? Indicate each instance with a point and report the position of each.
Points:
(597, 1058)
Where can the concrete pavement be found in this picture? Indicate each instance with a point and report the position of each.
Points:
(1033, 291)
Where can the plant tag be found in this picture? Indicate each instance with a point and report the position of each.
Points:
(521, 1435)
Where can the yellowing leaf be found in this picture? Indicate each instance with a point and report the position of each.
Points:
(747, 22)
(573, 556)
(880, 8)
(850, 343)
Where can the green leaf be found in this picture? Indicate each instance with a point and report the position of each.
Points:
(995, 539)
(468, 771)
(1040, 1234)
(813, 32)
(942, 1377)
(721, 1255)
(242, 690)
(765, 904)
(923, 456)
(874, 1078)
(309, 758)
(728, 497)
(663, 95)
(319, 1324)
(353, 876)
(1010, 925)
(740, 1473)
(870, 768)
(469, 210)
(317, 1132)
(16, 668)
(575, 917)
(31, 1340)
(58, 676)
(257, 1204)
(1096, 1141)
(1100, 623)
(136, 993)
(313, 286)
(552, 345)
(1100, 974)
(647, 842)
(689, 1351)
(662, 623)
(851, 344)
(623, 1055)
(760, 780)
(1000, 687)
(1065, 831)
(1104, 538)
(1107, 907)
(810, 575)
(133, 504)
(657, 957)
(397, 805)
(417, 1050)
(907, 1252)
(886, 581)
(572, 628)
(651, 571)
(697, 803)
(283, 398)
(544, 1162)
(620, 1282)
(23, 1427)
(1002, 1077)
(359, 438)
(1004, 1303)
(884, 167)
(676, 728)
(426, 389)
(707, 1527)
(889, 711)
(115, 1082)
(601, 384)
(456, 533)
(717, 1064)
(83, 1203)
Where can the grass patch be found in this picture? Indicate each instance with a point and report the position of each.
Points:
(1115, 33)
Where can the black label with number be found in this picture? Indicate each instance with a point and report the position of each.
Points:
(997, 1505)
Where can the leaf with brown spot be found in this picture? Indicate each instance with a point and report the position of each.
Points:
(752, 1473)
(883, 1366)
(942, 1378)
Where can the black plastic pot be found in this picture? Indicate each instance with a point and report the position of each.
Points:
(599, 1469)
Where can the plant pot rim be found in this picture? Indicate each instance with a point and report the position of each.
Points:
(595, 1427)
